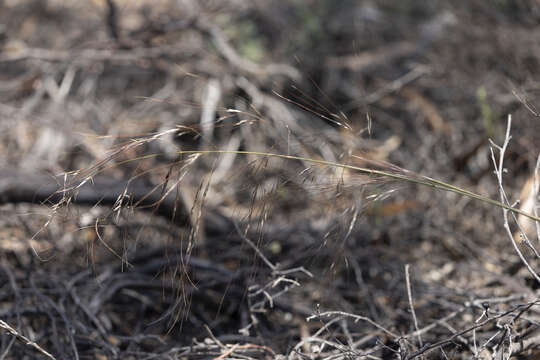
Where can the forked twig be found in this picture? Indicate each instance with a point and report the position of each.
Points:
(499, 169)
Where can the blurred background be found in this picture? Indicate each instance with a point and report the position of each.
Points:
(119, 88)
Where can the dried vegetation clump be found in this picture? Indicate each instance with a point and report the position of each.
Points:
(192, 179)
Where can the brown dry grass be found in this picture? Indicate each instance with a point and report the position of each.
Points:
(259, 256)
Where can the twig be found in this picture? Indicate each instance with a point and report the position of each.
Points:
(356, 319)
(499, 173)
(229, 53)
(89, 55)
(24, 339)
(255, 248)
(392, 87)
(112, 19)
(438, 344)
(409, 294)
